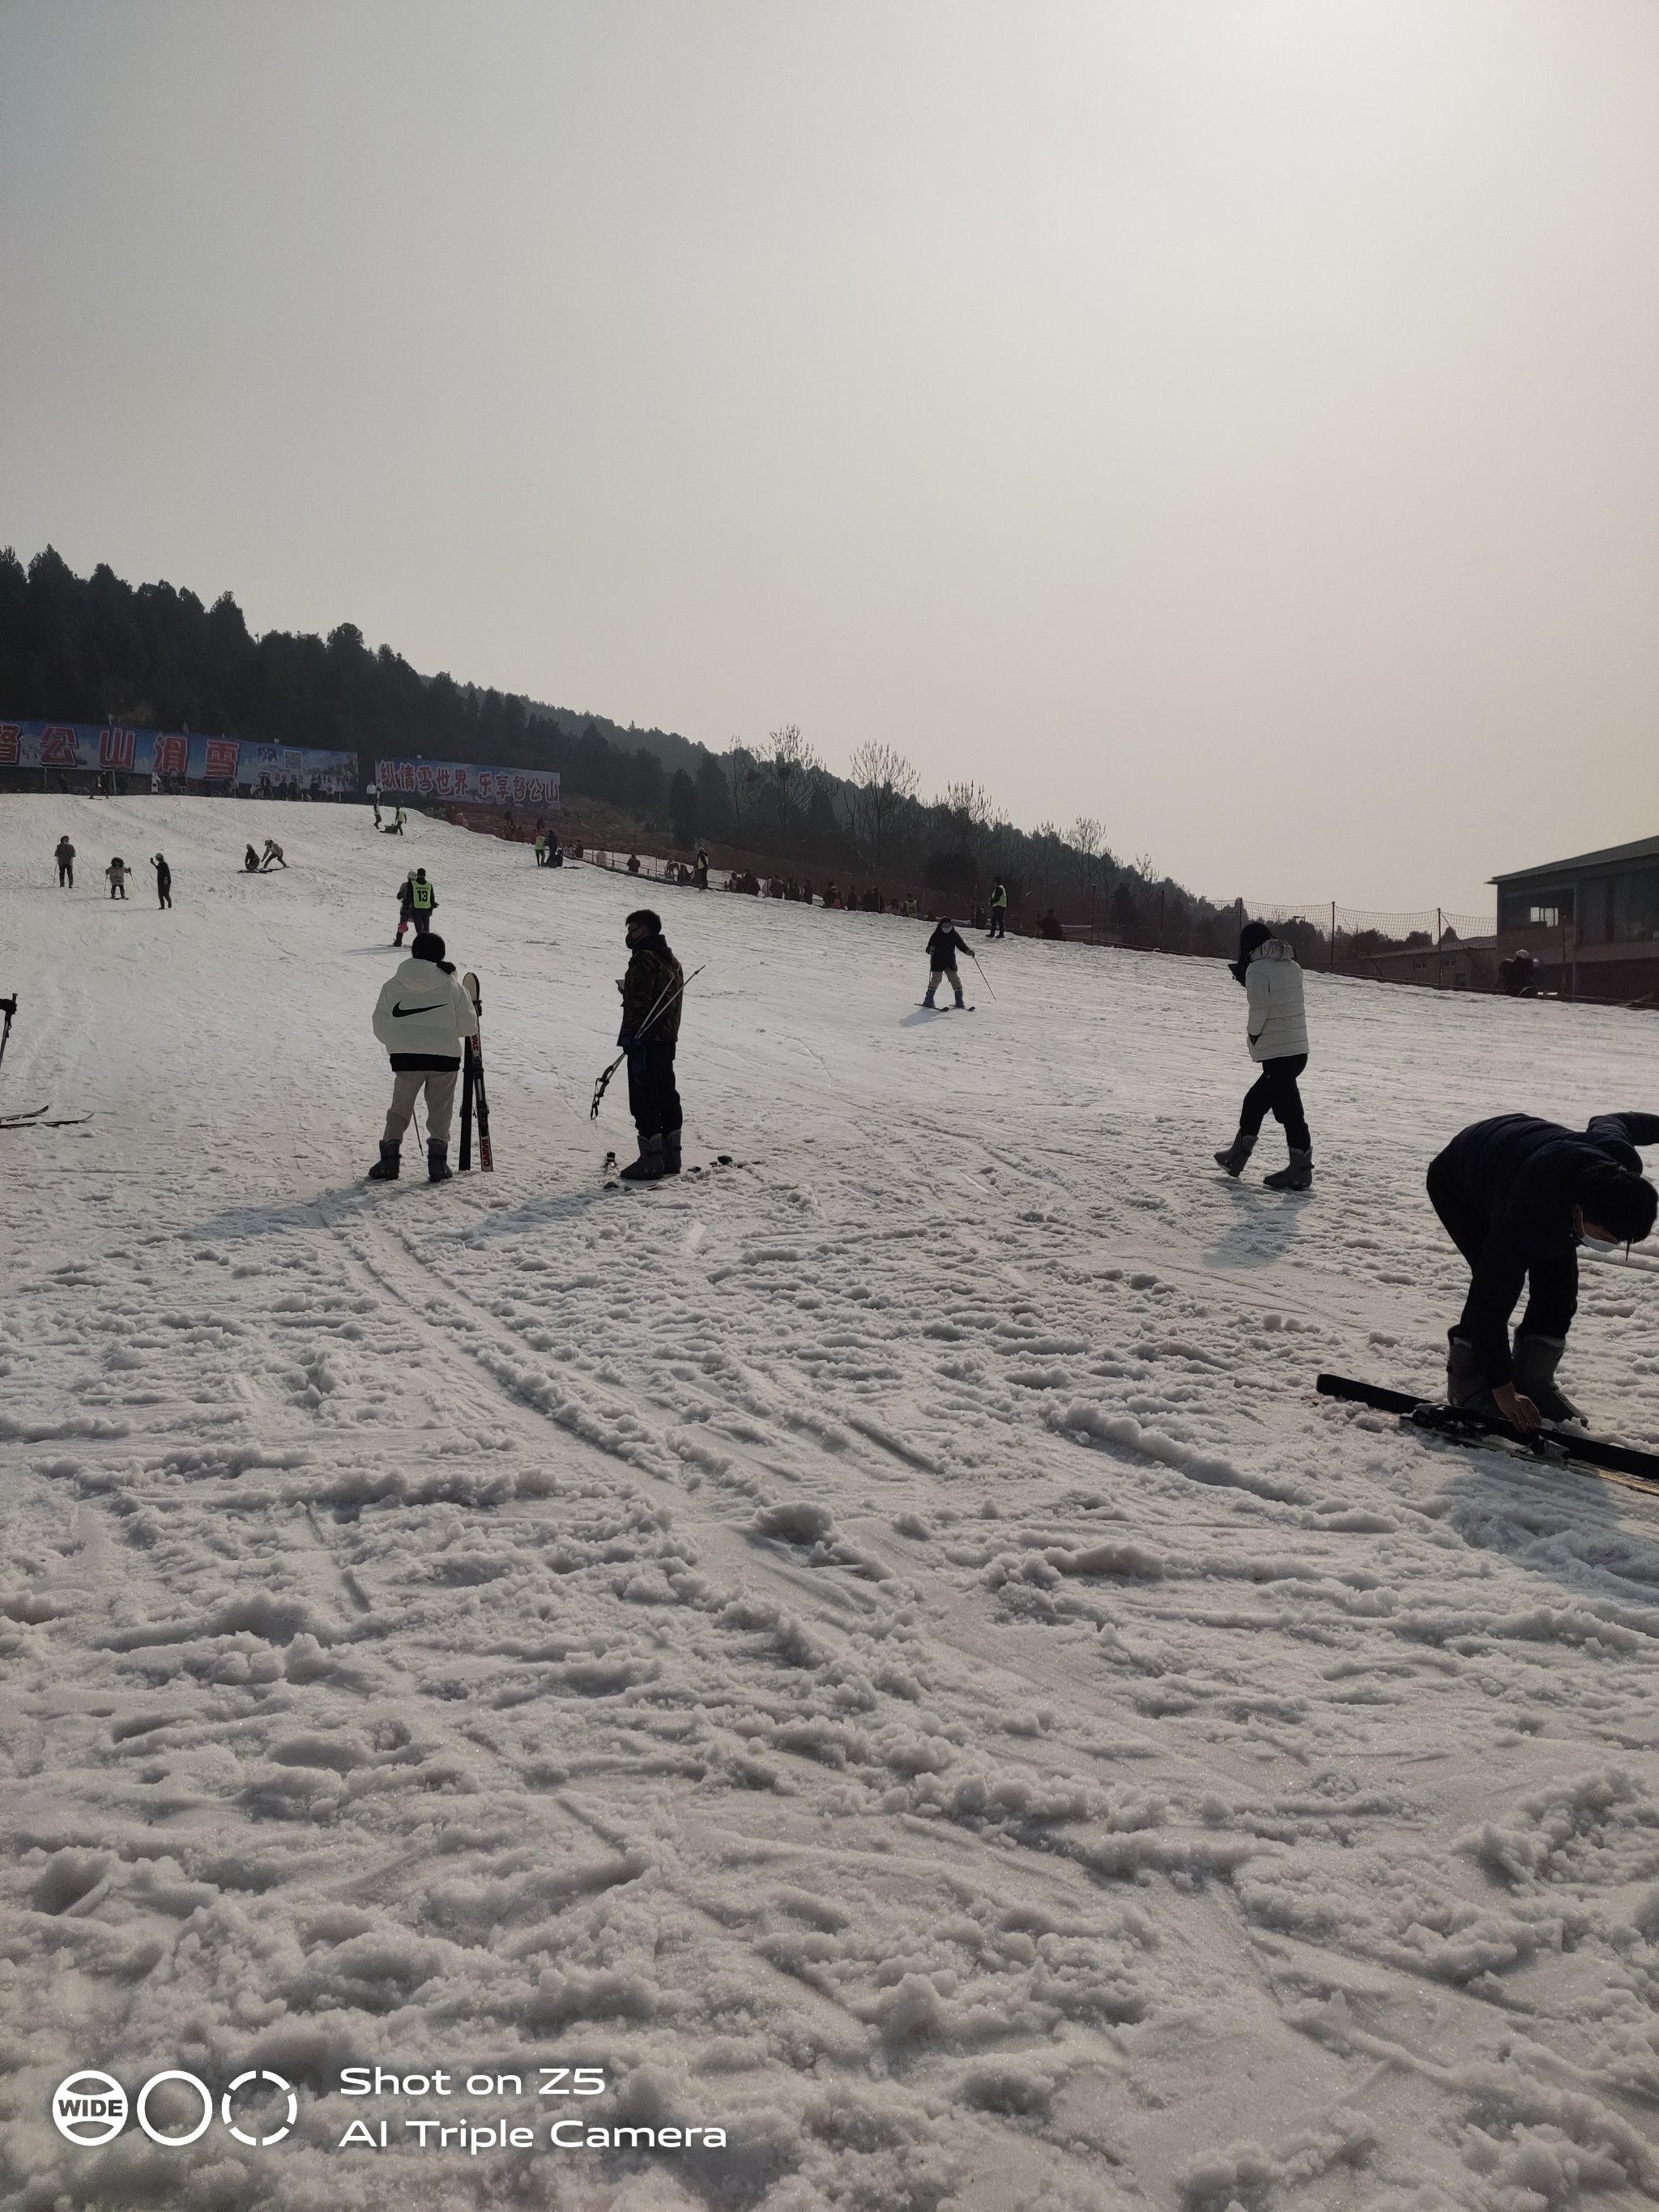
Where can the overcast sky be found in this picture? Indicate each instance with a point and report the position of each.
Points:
(1237, 420)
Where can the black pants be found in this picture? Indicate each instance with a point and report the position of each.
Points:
(998, 922)
(66, 874)
(652, 1099)
(164, 893)
(1552, 1283)
(1274, 1091)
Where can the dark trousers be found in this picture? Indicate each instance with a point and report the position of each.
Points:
(422, 918)
(998, 922)
(652, 1099)
(66, 874)
(164, 893)
(1552, 1283)
(1274, 1092)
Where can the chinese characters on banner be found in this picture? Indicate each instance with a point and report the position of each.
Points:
(463, 781)
(84, 746)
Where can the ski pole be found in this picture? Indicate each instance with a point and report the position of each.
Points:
(666, 999)
(984, 978)
(8, 1007)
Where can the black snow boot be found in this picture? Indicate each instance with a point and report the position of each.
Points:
(1236, 1154)
(1296, 1175)
(385, 1169)
(437, 1162)
(649, 1168)
(1467, 1388)
(1536, 1358)
(670, 1151)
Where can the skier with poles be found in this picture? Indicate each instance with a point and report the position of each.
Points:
(652, 992)
(116, 874)
(1517, 1196)
(64, 857)
(943, 947)
(422, 1017)
(1276, 1030)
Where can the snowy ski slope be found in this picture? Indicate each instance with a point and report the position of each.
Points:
(877, 1648)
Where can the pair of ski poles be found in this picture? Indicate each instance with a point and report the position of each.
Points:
(664, 999)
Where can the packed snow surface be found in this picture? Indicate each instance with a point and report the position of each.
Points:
(876, 1647)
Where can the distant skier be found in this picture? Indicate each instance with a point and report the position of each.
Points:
(397, 821)
(372, 792)
(1516, 1196)
(422, 902)
(541, 848)
(651, 995)
(422, 1017)
(64, 857)
(943, 947)
(1052, 926)
(271, 857)
(1276, 1027)
(163, 879)
(116, 875)
(251, 861)
(998, 909)
(700, 869)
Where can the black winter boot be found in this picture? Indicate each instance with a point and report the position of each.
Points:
(670, 1151)
(385, 1169)
(437, 1162)
(649, 1168)
(1467, 1388)
(1234, 1158)
(1536, 1358)
(1296, 1175)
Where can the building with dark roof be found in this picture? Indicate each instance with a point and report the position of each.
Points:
(1591, 922)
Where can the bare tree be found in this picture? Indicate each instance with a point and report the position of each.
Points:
(884, 785)
(1088, 841)
(738, 764)
(790, 767)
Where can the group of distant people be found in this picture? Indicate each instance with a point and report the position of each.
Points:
(116, 875)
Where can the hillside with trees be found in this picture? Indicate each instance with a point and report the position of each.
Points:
(96, 649)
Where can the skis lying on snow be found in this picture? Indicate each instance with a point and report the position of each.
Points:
(474, 1102)
(963, 1009)
(33, 1119)
(1466, 1428)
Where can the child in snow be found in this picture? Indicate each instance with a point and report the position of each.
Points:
(273, 855)
(1276, 1030)
(251, 861)
(116, 874)
(943, 947)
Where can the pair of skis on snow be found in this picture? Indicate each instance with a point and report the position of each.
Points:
(1623, 1461)
(475, 1102)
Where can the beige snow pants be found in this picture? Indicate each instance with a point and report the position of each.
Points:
(407, 1083)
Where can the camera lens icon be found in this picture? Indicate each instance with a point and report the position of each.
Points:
(259, 2074)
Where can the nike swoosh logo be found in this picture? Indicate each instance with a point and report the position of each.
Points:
(399, 1012)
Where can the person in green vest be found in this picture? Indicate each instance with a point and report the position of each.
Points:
(422, 902)
(998, 909)
(541, 848)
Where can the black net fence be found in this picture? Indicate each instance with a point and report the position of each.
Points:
(1431, 944)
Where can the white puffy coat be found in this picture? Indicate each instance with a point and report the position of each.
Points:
(422, 1011)
(1278, 1022)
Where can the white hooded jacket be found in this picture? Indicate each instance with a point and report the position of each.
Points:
(422, 1015)
(1277, 1022)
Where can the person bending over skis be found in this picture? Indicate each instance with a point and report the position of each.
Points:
(652, 992)
(1276, 1030)
(422, 1016)
(943, 947)
(1517, 1196)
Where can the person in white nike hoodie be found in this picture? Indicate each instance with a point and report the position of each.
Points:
(1276, 1028)
(422, 1017)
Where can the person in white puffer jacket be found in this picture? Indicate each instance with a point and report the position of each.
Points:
(1277, 1030)
(422, 1017)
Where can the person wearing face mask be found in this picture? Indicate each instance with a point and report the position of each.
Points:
(651, 995)
(1517, 1196)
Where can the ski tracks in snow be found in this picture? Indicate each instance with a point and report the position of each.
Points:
(879, 1647)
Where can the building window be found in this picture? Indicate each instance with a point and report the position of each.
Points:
(1636, 905)
(1524, 907)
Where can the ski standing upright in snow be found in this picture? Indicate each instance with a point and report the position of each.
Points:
(474, 1100)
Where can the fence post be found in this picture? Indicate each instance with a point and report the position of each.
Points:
(1238, 916)
(1438, 934)
(1162, 894)
(1333, 958)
